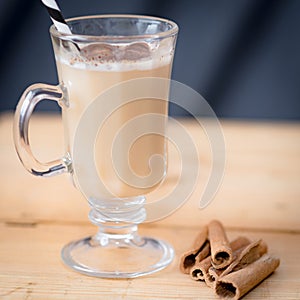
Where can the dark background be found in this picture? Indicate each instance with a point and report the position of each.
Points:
(242, 56)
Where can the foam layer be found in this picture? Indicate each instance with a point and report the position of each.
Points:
(105, 57)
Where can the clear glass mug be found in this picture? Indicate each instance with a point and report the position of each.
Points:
(98, 66)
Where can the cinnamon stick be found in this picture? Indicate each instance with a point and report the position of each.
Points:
(212, 276)
(200, 250)
(236, 284)
(237, 246)
(242, 257)
(247, 256)
(221, 252)
(200, 270)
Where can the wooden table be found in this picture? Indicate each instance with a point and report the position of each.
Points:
(259, 197)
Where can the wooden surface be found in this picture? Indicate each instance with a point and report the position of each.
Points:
(259, 197)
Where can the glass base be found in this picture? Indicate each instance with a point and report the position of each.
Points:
(117, 255)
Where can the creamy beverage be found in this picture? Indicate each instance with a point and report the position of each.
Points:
(90, 74)
(113, 90)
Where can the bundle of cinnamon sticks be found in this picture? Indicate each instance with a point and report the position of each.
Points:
(233, 268)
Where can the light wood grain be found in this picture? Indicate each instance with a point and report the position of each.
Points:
(259, 197)
(31, 266)
(260, 188)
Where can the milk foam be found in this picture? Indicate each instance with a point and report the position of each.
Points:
(117, 66)
(100, 57)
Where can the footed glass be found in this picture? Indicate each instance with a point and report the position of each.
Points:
(113, 167)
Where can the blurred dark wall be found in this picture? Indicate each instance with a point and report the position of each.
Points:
(243, 56)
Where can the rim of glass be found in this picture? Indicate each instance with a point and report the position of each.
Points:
(111, 38)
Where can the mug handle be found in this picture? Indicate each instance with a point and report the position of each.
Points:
(28, 101)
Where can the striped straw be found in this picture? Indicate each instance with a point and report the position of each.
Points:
(56, 16)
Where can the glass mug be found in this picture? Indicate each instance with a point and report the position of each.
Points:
(102, 53)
